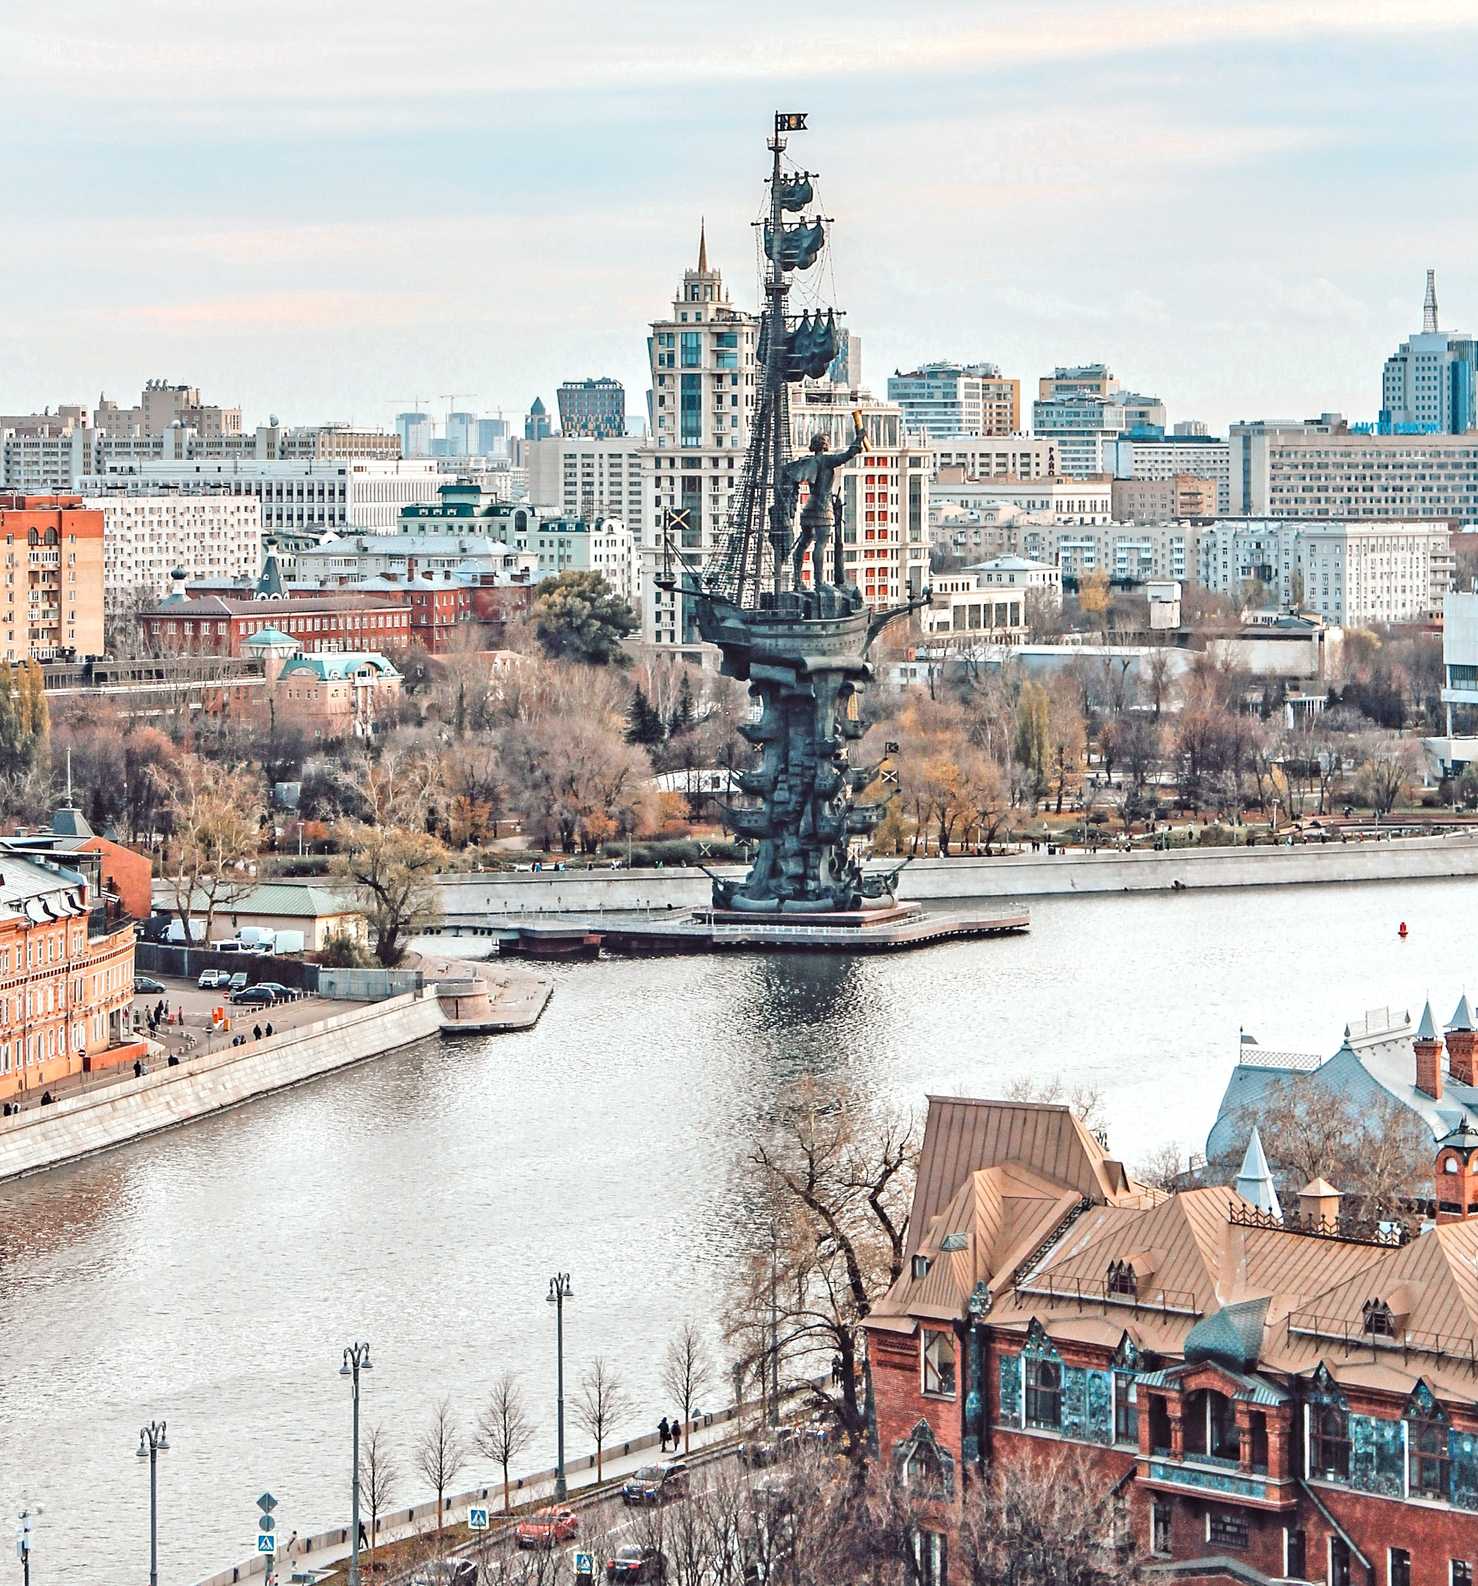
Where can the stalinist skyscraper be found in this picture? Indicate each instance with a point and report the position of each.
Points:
(702, 396)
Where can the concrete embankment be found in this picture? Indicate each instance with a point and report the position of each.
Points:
(83, 1125)
(471, 899)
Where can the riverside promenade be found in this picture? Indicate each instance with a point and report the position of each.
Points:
(476, 899)
(323, 1549)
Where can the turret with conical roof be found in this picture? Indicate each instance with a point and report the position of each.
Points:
(1255, 1181)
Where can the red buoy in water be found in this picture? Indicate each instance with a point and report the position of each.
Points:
(1402, 932)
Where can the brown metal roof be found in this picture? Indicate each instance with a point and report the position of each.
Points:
(962, 1136)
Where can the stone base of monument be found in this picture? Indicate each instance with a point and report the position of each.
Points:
(851, 931)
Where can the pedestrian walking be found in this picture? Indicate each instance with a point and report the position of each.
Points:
(677, 1435)
(363, 1538)
(256, 1032)
(269, 1027)
(663, 1433)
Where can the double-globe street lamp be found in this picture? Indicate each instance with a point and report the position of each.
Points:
(559, 1292)
(356, 1359)
(153, 1443)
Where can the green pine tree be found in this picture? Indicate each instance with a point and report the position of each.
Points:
(684, 717)
(643, 724)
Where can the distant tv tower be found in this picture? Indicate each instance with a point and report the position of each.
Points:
(1429, 308)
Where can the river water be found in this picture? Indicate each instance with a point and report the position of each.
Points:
(213, 1275)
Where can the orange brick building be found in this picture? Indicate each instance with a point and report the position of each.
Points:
(1260, 1397)
(66, 976)
(51, 578)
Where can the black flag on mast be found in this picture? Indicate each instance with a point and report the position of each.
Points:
(791, 120)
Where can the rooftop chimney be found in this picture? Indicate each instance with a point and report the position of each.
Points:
(1318, 1202)
(1428, 1048)
(1462, 1045)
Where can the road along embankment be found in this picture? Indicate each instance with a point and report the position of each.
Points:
(472, 899)
(47, 1137)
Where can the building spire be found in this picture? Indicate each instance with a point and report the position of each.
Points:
(703, 247)
(1429, 307)
(1255, 1180)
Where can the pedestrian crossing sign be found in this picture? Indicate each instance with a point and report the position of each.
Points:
(266, 1542)
(477, 1518)
(585, 1564)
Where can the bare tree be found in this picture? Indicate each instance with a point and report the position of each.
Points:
(215, 818)
(600, 1399)
(687, 1370)
(504, 1429)
(838, 1181)
(1046, 1524)
(378, 1474)
(440, 1455)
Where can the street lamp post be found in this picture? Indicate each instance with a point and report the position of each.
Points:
(559, 1292)
(356, 1359)
(153, 1443)
(23, 1539)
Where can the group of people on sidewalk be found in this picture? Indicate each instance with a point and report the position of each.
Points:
(671, 1432)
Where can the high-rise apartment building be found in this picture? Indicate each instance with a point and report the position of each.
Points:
(146, 537)
(949, 399)
(885, 491)
(581, 477)
(1322, 468)
(51, 600)
(702, 359)
(1078, 380)
(592, 408)
(1428, 385)
(1084, 427)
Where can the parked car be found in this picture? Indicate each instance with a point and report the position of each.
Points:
(545, 1527)
(147, 986)
(656, 1484)
(280, 993)
(637, 1561)
(253, 996)
(238, 980)
(214, 980)
(227, 944)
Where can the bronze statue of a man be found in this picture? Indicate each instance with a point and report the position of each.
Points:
(817, 470)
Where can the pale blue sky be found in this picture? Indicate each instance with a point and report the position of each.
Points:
(324, 209)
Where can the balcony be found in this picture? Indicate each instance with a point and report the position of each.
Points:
(1213, 1476)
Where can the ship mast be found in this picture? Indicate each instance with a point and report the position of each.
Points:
(776, 289)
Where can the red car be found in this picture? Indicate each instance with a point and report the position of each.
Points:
(545, 1527)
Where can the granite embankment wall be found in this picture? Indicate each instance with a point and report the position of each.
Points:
(83, 1125)
(471, 898)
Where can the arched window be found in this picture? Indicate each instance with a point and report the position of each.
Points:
(33, 538)
(52, 537)
(1044, 1393)
(1121, 1279)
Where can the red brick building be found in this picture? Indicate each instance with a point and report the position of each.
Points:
(1263, 1397)
(221, 625)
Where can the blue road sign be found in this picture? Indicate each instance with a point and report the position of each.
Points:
(266, 1542)
(477, 1518)
(265, 1522)
(266, 1503)
(585, 1563)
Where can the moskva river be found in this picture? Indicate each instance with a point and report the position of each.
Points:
(212, 1276)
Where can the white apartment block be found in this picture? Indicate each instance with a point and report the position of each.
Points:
(1163, 457)
(1352, 574)
(580, 477)
(1084, 428)
(1019, 572)
(351, 558)
(1323, 469)
(1133, 552)
(294, 495)
(945, 399)
(1065, 499)
(1360, 574)
(702, 397)
(145, 538)
(981, 456)
(885, 491)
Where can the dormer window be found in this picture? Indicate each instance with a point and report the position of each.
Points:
(1122, 1279)
(1377, 1320)
(920, 1267)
